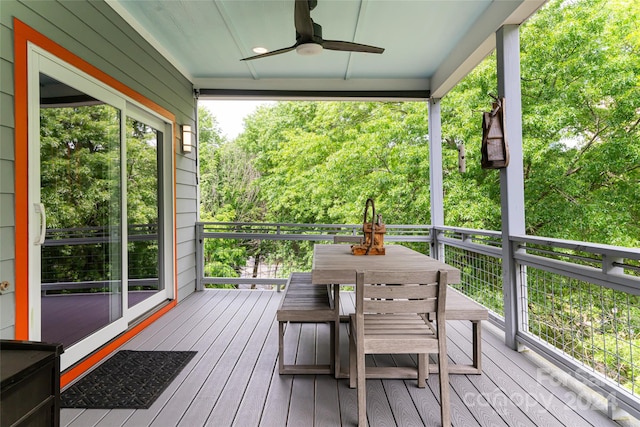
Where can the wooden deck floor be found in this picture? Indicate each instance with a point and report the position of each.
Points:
(233, 380)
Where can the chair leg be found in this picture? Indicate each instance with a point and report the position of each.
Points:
(333, 361)
(477, 345)
(362, 388)
(281, 347)
(443, 374)
(352, 358)
(423, 368)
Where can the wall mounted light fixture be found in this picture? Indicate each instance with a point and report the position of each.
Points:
(187, 142)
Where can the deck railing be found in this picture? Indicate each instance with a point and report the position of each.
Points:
(265, 253)
(578, 303)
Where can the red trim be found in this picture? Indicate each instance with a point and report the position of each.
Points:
(23, 34)
(21, 149)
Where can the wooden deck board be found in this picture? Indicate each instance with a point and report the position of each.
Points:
(499, 392)
(217, 399)
(234, 380)
(560, 400)
(210, 347)
(226, 407)
(327, 399)
(216, 370)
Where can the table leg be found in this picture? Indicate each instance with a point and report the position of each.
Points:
(336, 327)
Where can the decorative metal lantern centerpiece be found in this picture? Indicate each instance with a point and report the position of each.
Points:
(373, 233)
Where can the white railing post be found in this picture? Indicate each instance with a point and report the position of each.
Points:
(435, 175)
(511, 177)
(199, 256)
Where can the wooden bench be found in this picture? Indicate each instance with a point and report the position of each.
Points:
(461, 307)
(303, 302)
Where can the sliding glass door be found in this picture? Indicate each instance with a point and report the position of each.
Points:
(97, 224)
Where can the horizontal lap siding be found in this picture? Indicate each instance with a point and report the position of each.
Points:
(93, 31)
(7, 220)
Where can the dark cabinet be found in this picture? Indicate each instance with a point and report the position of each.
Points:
(30, 383)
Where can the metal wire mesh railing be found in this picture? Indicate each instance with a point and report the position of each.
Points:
(87, 258)
(262, 255)
(581, 307)
(481, 277)
(597, 326)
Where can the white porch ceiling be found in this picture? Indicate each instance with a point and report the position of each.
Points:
(429, 45)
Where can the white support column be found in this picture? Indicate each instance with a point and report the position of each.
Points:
(511, 177)
(435, 173)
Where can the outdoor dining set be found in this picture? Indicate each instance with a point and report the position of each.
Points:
(401, 301)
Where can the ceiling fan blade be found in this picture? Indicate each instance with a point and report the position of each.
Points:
(350, 46)
(274, 52)
(302, 16)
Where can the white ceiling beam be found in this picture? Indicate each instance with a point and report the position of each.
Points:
(361, 14)
(468, 54)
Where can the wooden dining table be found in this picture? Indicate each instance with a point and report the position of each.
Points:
(334, 264)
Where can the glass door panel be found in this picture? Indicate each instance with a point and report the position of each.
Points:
(144, 229)
(80, 191)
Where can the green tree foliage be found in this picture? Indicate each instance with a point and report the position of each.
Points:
(228, 175)
(226, 191)
(472, 199)
(581, 91)
(581, 99)
(320, 161)
(80, 187)
(142, 198)
(80, 172)
(142, 173)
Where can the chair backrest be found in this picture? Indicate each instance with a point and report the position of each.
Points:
(401, 292)
(347, 239)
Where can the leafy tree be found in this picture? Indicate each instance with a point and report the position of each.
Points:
(80, 187)
(227, 195)
(580, 127)
(341, 154)
(80, 172)
(142, 199)
(210, 139)
(228, 176)
(581, 93)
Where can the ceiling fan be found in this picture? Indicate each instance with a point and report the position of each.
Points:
(309, 39)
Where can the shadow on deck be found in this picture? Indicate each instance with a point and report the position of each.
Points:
(233, 380)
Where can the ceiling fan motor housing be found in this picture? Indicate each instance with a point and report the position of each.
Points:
(316, 37)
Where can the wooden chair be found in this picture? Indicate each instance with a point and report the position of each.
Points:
(394, 320)
(348, 239)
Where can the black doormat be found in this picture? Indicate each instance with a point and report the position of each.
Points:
(128, 380)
